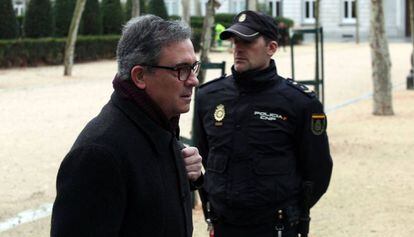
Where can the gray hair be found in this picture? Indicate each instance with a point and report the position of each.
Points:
(143, 38)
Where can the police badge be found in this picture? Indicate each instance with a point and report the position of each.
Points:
(318, 124)
(219, 114)
(242, 17)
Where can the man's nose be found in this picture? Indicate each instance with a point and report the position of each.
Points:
(238, 46)
(192, 80)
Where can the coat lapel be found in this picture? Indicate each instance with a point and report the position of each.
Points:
(158, 136)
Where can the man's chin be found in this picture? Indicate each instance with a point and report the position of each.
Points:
(239, 67)
(185, 110)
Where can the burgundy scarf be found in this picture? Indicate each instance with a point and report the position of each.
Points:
(128, 90)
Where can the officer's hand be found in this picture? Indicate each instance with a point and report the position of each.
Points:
(192, 162)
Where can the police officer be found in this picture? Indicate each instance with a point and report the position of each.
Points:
(262, 138)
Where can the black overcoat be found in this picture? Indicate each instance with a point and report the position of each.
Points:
(124, 176)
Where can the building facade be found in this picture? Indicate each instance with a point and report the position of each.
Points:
(338, 17)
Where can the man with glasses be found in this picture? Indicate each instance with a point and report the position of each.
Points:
(127, 174)
(262, 138)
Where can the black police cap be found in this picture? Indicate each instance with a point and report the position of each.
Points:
(248, 25)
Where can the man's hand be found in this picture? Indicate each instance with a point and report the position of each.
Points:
(192, 162)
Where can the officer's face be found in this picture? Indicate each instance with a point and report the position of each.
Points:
(252, 55)
(172, 95)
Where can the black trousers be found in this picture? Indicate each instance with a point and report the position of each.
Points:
(265, 230)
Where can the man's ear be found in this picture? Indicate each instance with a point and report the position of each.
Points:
(137, 76)
(272, 48)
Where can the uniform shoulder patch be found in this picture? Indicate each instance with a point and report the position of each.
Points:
(318, 124)
(212, 81)
(300, 87)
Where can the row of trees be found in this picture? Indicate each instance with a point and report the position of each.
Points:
(44, 19)
(8, 19)
(112, 22)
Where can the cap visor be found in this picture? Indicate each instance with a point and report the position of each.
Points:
(243, 32)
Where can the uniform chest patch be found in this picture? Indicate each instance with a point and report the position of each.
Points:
(269, 116)
(219, 115)
(318, 123)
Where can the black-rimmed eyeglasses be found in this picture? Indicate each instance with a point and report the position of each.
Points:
(183, 70)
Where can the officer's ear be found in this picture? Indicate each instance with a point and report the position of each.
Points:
(271, 48)
(137, 76)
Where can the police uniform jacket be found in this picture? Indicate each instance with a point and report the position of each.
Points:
(124, 176)
(260, 137)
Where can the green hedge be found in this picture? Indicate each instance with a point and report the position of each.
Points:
(33, 52)
(196, 39)
(285, 38)
(287, 21)
(49, 51)
(224, 19)
(197, 22)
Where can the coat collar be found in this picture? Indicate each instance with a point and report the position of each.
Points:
(256, 80)
(126, 89)
(158, 136)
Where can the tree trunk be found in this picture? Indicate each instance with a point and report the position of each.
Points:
(356, 22)
(197, 7)
(186, 11)
(208, 24)
(412, 32)
(135, 8)
(72, 35)
(380, 61)
(251, 5)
